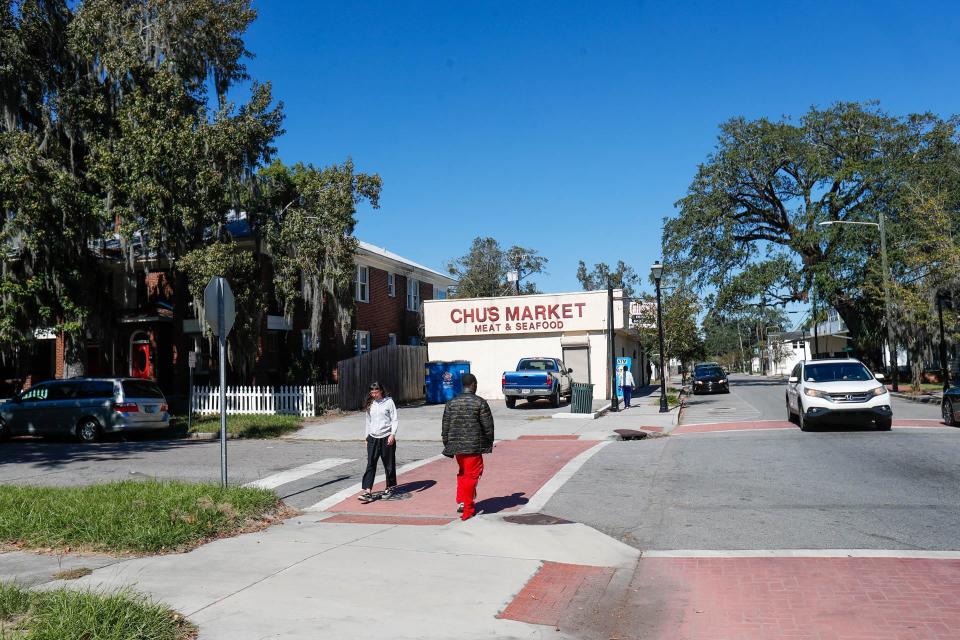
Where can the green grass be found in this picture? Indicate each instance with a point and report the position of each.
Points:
(86, 615)
(242, 426)
(128, 517)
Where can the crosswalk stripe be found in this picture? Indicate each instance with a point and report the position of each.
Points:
(275, 480)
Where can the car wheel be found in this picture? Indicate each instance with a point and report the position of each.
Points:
(88, 430)
(790, 417)
(555, 399)
(804, 426)
(948, 415)
(511, 402)
(884, 424)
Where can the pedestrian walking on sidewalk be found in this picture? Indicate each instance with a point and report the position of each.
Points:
(626, 384)
(467, 435)
(381, 441)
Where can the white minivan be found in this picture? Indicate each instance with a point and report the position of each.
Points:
(839, 392)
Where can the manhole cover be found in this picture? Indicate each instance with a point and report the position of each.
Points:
(536, 518)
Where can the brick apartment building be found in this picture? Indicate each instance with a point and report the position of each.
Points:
(150, 341)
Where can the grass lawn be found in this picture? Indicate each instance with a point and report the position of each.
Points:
(242, 426)
(130, 516)
(83, 615)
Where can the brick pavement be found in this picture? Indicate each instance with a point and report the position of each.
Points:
(793, 598)
(512, 474)
(758, 425)
(550, 593)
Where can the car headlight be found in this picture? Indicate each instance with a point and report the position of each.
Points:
(878, 391)
(723, 381)
(698, 382)
(818, 394)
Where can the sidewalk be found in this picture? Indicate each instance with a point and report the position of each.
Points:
(423, 422)
(349, 570)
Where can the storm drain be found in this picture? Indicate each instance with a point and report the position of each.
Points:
(536, 519)
(631, 434)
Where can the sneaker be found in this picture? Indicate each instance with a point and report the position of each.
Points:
(365, 497)
(459, 507)
(386, 493)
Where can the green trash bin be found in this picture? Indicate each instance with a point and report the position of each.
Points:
(581, 400)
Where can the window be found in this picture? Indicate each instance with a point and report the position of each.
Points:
(306, 338)
(392, 339)
(413, 295)
(140, 389)
(391, 285)
(39, 392)
(362, 286)
(361, 342)
(439, 293)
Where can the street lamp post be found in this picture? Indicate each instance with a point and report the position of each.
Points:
(657, 271)
(891, 345)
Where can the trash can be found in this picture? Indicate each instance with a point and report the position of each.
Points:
(433, 382)
(452, 379)
(581, 399)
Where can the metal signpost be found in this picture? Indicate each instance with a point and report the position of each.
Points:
(219, 312)
(192, 363)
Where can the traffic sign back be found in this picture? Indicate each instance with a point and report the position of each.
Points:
(216, 293)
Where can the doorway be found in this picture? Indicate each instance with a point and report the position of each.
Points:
(140, 356)
(578, 359)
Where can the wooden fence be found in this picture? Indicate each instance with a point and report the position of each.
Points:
(398, 368)
(290, 400)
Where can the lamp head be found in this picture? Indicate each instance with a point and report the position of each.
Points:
(656, 270)
(825, 223)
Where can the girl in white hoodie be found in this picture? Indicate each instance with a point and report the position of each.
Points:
(381, 441)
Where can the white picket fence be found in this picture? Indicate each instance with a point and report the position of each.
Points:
(290, 400)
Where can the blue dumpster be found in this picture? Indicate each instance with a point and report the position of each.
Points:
(433, 382)
(453, 378)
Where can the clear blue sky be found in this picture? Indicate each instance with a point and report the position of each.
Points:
(570, 127)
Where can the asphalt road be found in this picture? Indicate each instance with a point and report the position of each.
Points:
(773, 489)
(763, 398)
(66, 463)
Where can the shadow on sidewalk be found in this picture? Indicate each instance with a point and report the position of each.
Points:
(413, 487)
(495, 505)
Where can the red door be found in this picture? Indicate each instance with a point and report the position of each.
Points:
(140, 361)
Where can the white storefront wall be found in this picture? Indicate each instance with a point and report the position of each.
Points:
(493, 334)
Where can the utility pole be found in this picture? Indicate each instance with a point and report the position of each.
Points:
(816, 323)
(891, 344)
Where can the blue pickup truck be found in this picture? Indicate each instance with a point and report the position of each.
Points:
(537, 378)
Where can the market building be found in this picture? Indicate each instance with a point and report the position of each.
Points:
(493, 334)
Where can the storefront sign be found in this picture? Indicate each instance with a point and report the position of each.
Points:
(520, 314)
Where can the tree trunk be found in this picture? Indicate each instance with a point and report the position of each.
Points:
(74, 356)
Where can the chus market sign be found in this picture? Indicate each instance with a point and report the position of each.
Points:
(518, 315)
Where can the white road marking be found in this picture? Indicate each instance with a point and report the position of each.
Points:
(340, 496)
(803, 553)
(291, 475)
(541, 497)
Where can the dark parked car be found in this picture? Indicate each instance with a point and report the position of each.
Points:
(710, 380)
(85, 408)
(951, 406)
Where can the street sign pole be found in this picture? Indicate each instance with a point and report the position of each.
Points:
(220, 312)
(192, 361)
(222, 334)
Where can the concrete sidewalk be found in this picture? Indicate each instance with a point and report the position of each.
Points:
(332, 573)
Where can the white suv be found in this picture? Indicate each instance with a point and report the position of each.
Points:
(838, 392)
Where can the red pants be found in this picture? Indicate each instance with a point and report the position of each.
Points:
(471, 468)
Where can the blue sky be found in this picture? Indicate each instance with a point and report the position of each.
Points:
(570, 127)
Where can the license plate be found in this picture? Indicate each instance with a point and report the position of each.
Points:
(150, 408)
(525, 391)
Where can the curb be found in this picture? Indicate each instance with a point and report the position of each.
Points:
(924, 399)
(209, 436)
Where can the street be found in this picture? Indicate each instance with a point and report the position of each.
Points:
(719, 527)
